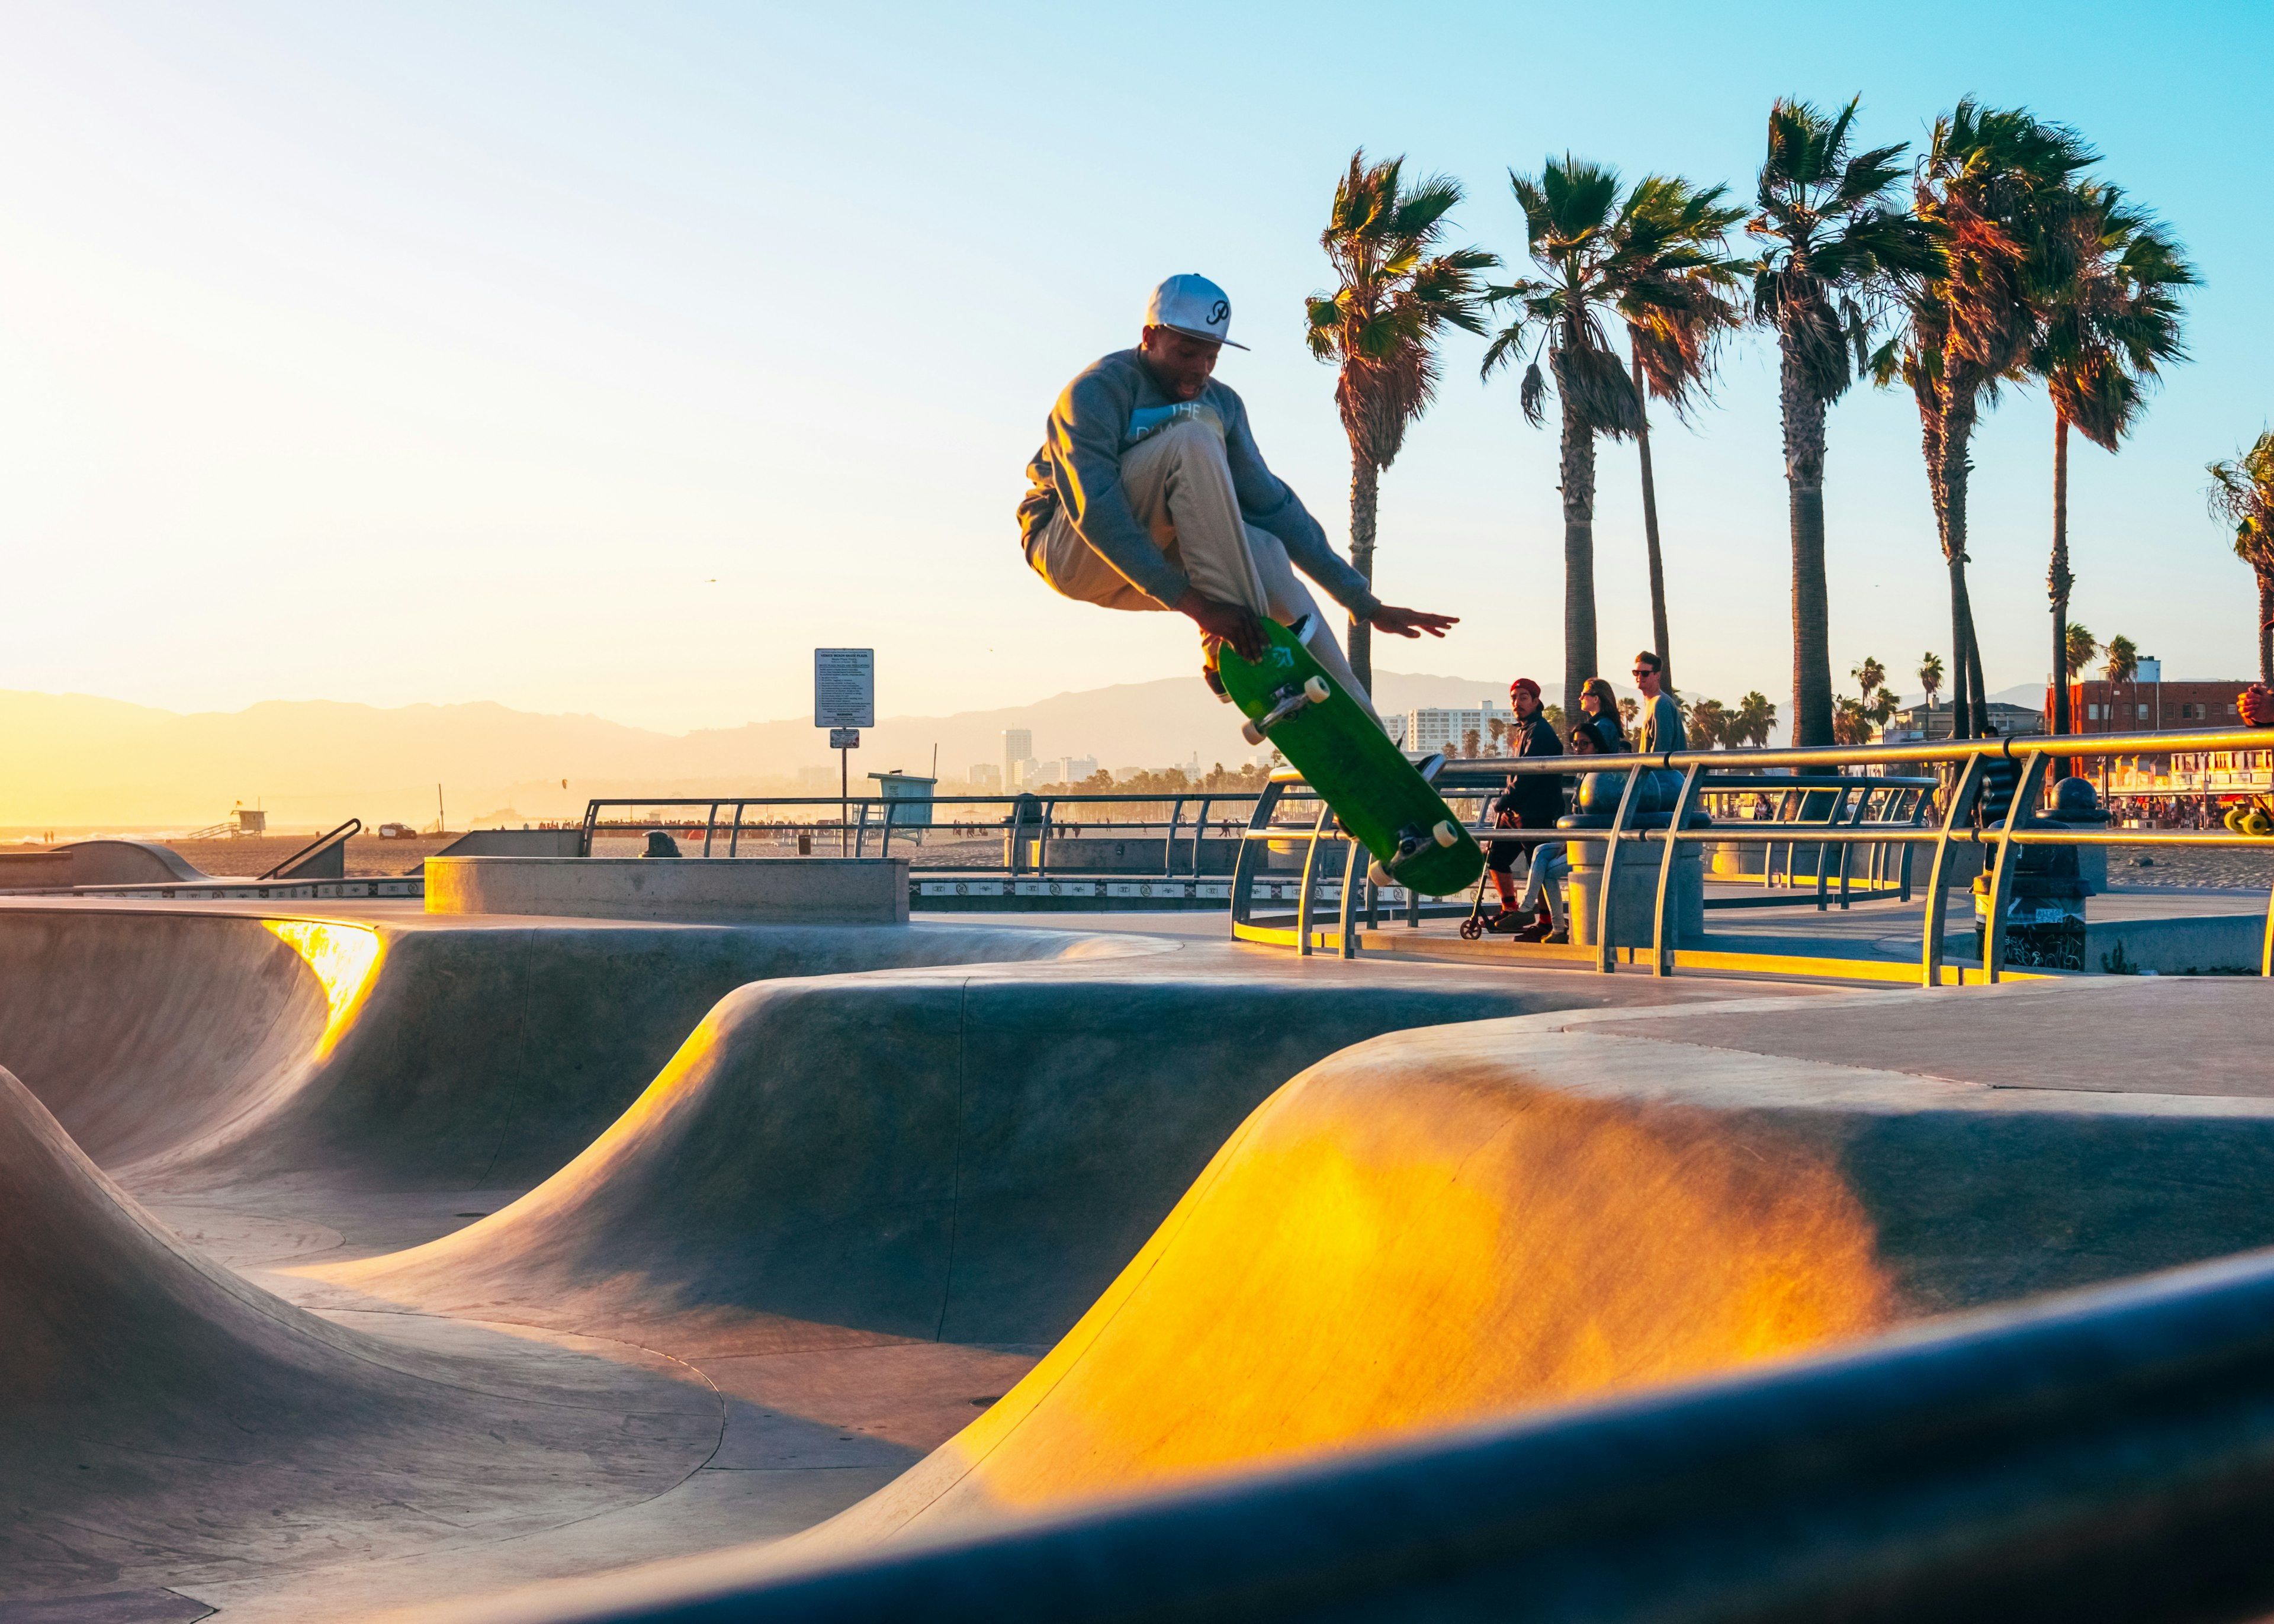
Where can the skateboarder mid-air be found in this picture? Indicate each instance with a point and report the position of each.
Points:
(1149, 493)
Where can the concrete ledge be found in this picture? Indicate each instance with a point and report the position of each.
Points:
(841, 890)
(2201, 944)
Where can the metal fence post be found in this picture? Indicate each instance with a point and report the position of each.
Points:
(2009, 857)
(1661, 944)
(734, 836)
(1963, 793)
(1245, 861)
(1353, 876)
(1310, 871)
(1169, 840)
(1606, 958)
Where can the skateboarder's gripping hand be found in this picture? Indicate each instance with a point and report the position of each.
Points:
(1235, 623)
(1412, 622)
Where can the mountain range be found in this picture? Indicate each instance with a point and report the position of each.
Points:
(78, 762)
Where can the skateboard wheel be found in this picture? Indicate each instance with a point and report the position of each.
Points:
(1445, 834)
(1472, 929)
(1381, 877)
(1315, 689)
(1250, 732)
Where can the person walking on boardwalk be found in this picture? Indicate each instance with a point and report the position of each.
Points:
(1662, 717)
(1149, 493)
(1532, 800)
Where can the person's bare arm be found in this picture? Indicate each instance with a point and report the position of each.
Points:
(1412, 622)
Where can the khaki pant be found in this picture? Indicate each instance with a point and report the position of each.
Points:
(1178, 484)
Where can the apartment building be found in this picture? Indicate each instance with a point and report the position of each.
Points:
(1432, 728)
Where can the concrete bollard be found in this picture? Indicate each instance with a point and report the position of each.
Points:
(1635, 895)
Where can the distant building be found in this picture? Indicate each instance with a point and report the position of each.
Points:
(1017, 746)
(1064, 770)
(1023, 772)
(2149, 704)
(1919, 725)
(1440, 729)
(986, 776)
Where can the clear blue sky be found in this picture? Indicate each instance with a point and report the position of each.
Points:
(607, 358)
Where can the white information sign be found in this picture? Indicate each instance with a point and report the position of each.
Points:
(844, 688)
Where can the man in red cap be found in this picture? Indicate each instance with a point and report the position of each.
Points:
(1532, 800)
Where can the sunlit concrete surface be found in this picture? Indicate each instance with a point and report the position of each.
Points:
(712, 1250)
(771, 890)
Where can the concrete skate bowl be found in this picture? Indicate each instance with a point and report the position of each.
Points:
(963, 1157)
(1469, 1224)
(213, 1050)
(162, 1422)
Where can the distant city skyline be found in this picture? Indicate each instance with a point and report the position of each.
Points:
(606, 361)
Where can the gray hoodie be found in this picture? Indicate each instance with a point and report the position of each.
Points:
(1106, 408)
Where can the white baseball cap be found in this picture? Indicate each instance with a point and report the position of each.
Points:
(1193, 305)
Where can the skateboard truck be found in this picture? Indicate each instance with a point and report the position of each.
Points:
(1314, 691)
(1410, 840)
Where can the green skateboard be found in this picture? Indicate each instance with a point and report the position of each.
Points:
(1378, 795)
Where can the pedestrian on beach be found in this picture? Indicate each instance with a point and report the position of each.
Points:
(1531, 801)
(1149, 493)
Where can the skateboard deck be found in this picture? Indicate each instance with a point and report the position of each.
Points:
(1375, 791)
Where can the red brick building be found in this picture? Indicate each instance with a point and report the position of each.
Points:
(2150, 706)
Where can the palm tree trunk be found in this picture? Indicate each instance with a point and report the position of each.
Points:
(2266, 627)
(1957, 428)
(1578, 470)
(1650, 540)
(1365, 490)
(1932, 435)
(1812, 611)
(2058, 582)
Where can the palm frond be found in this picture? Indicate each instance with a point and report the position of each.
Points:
(1396, 294)
(1532, 396)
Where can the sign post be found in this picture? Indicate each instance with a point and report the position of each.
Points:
(844, 702)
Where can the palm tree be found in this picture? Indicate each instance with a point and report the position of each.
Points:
(1992, 186)
(1651, 256)
(1835, 246)
(2242, 493)
(1755, 719)
(1869, 675)
(1709, 723)
(2121, 658)
(2077, 648)
(2112, 317)
(1930, 676)
(1381, 326)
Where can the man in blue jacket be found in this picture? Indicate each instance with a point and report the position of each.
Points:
(1149, 493)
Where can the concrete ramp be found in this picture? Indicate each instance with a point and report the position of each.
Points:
(162, 1420)
(200, 1050)
(1412, 1235)
(969, 1158)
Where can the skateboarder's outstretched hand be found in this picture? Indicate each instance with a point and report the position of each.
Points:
(1235, 623)
(1412, 622)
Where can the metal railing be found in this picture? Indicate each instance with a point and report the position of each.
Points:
(1029, 822)
(1717, 772)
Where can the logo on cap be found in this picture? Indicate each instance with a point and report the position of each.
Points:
(1192, 305)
